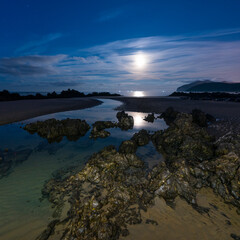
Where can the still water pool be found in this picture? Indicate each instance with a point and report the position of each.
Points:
(32, 161)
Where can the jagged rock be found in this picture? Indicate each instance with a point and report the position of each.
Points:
(169, 115)
(110, 180)
(54, 130)
(141, 138)
(125, 121)
(184, 139)
(150, 118)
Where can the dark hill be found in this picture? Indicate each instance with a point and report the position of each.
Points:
(209, 86)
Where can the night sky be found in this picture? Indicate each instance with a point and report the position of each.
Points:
(117, 45)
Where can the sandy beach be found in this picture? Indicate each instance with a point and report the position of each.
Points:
(13, 111)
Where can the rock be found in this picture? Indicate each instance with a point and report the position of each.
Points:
(54, 130)
(98, 129)
(125, 121)
(184, 139)
(169, 115)
(128, 146)
(201, 118)
(114, 186)
(141, 138)
(234, 236)
(150, 118)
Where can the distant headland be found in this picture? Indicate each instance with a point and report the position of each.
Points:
(210, 86)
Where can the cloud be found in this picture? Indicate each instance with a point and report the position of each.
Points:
(30, 65)
(108, 15)
(170, 62)
(34, 45)
(86, 60)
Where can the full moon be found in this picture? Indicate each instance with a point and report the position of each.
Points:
(140, 60)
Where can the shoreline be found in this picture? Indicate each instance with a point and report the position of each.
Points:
(15, 111)
(219, 109)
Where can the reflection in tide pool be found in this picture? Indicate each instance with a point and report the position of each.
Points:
(22, 215)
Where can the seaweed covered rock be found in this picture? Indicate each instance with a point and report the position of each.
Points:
(150, 117)
(169, 115)
(228, 143)
(105, 196)
(141, 138)
(98, 129)
(125, 121)
(184, 139)
(225, 177)
(169, 184)
(54, 130)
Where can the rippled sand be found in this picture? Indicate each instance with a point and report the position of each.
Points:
(185, 223)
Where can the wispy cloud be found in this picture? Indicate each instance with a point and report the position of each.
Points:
(34, 45)
(170, 61)
(30, 65)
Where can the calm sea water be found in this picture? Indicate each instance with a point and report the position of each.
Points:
(22, 214)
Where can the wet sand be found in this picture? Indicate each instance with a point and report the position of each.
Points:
(219, 109)
(14, 111)
(185, 223)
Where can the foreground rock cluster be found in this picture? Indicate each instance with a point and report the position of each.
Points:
(54, 130)
(125, 122)
(109, 193)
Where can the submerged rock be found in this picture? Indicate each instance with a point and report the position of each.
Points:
(125, 121)
(10, 159)
(54, 130)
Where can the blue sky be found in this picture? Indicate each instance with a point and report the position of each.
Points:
(97, 45)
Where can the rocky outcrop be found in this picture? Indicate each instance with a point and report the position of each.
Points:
(141, 138)
(105, 196)
(150, 117)
(98, 129)
(125, 121)
(54, 130)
